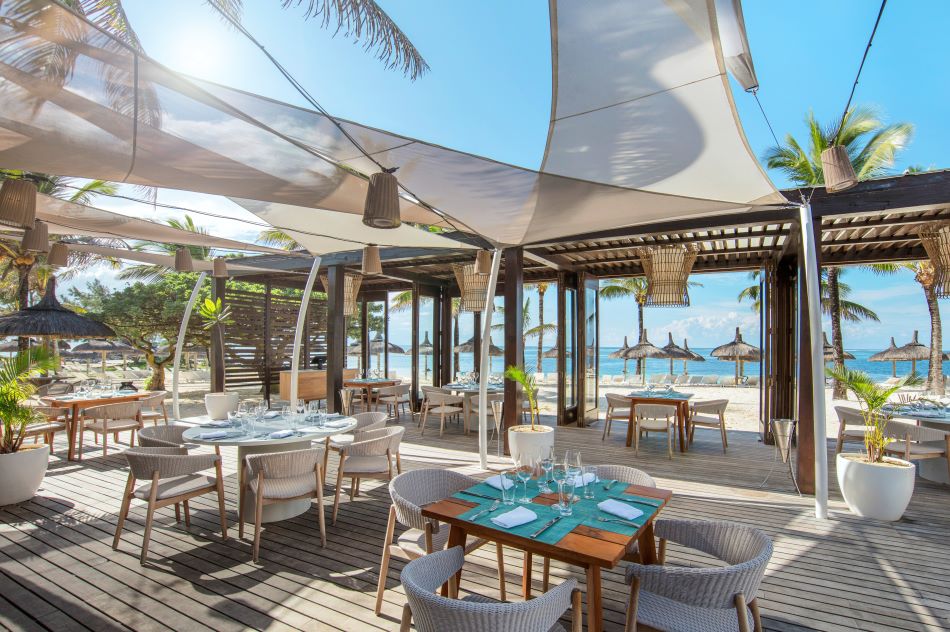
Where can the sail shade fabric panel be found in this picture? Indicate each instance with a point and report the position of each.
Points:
(643, 128)
(155, 258)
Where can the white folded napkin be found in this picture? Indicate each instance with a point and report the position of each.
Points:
(281, 434)
(619, 509)
(340, 423)
(216, 424)
(271, 414)
(514, 518)
(217, 434)
(333, 415)
(498, 481)
(584, 479)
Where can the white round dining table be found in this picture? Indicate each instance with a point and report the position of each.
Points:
(260, 442)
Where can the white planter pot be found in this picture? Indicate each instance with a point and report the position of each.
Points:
(219, 405)
(874, 490)
(522, 440)
(21, 474)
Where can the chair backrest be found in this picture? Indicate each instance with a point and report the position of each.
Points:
(431, 612)
(393, 375)
(365, 419)
(169, 436)
(625, 474)
(154, 400)
(124, 410)
(377, 442)
(284, 464)
(167, 462)
(439, 398)
(848, 416)
(711, 406)
(747, 550)
(695, 380)
(655, 411)
(617, 401)
(360, 433)
(681, 379)
(903, 430)
(410, 490)
(489, 397)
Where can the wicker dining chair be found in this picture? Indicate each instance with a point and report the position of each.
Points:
(851, 426)
(654, 418)
(55, 422)
(618, 407)
(623, 474)
(425, 399)
(169, 436)
(364, 421)
(431, 612)
(373, 456)
(111, 418)
(153, 407)
(709, 414)
(173, 477)
(713, 599)
(914, 443)
(441, 404)
(394, 397)
(409, 492)
(281, 477)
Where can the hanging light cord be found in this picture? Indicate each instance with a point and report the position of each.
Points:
(755, 93)
(316, 104)
(867, 49)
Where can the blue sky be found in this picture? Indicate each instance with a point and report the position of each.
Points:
(489, 93)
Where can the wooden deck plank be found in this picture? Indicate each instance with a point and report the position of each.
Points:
(842, 574)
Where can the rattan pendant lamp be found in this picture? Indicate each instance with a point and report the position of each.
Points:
(936, 241)
(18, 203)
(371, 262)
(667, 270)
(36, 239)
(382, 200)
(58, 256)
(473, 286)
(351, 287)
(183, 262)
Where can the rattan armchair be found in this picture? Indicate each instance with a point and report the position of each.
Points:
(153, 407)
(654, 418)
(364, 421)
(55, 422)
(618, 407)
(441, 404)
(709, 414)
(111, 418)
(373, 456)
(394, 397)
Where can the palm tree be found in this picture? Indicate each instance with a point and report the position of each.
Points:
(871, 145)
(402, 302)
(149, 272)
(541, 328)
(924, 275)
(277, 238)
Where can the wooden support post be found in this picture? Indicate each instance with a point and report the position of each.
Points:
(365, 355)
(267, 342)
(561, 350)
(438, 318)
(477, 338)
(217, 370)
(806, 410)
(514, 334)
(414, 395)
(336, 337)
(445, 333)
(386, 335)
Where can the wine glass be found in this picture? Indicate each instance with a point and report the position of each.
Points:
(526, 463)
(547, 464)
(572, 462)
(558, 475)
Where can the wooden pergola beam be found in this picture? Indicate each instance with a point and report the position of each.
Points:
(690, 237)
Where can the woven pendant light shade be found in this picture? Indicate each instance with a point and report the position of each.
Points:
(220, 269)
(474, 287)
(936, 241)
(483, 262)
(382, 201)
(183, 262)
(667, 271)
(351, 287)
(838, 170)
(371, 263)
(36, 239)
(18, 203)
(58, 255)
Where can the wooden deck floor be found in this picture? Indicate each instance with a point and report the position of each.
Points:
(57, 569)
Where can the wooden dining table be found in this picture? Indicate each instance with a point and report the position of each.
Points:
(673, 398)
(585, 545)
(75, 403)
(368, 384)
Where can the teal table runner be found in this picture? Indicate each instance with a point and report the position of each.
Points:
(660, 394)
(585, 511)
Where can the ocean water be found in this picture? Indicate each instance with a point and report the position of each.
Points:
(610, 366)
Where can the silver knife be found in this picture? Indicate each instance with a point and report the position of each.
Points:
(637, 502)
(547, 526)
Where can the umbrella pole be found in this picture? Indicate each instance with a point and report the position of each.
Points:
(913, 367)
(103, 354)
(737, 372)
(893, 368)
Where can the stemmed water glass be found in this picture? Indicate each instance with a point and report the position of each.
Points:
(547, 464)
(526, 464)
(572, 463)
(558, 475)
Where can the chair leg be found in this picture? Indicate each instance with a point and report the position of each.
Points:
(398, 464)
(500, 553)
(756, 615)
(123, 511)
(384, 562)
(405, 623)
(258, 513)
(336, 498)
(221, 512)
(631, 624)
(326, 454)
(636, 441)
(441, 423)
(725, 441)
(423, 418)
(742, 612)
(546, 574)
(838, 445)
(606, 427)
(669, 442)
(321, 516)
(241, 498)
(354, 490)
(149, 516)
(105, 442)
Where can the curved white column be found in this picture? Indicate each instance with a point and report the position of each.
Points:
(484, 369)
(180, 343)
(298, 332)
(812, 285)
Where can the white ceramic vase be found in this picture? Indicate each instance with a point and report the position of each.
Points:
(521, 439)
(875, 490)
(219, 405)
(21, 474)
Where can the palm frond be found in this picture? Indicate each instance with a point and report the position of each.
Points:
(855, 312)
(277, 238)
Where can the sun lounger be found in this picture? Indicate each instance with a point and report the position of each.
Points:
(657, 378)
(753, 381)
(710, 380)
(727, 380)
(618, 380)
(695, 380)
(667, 380)
(681, 380)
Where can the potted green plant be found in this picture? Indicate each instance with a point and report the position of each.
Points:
(215, 316)
(874, 485)
(22, 468)
(533, 436)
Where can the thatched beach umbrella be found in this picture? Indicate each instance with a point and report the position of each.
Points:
(104, 348)
(12, 346)
(737, 351)
(892, 354)
(469, 347)
(552, 353)
(49, 318)
(643, 350)
(693, 356)
(618, 354)
(673, 351)
(914, 351)
(829, 350)
(426, 350)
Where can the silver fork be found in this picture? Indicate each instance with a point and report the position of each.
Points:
(495, 505)
(609, 485)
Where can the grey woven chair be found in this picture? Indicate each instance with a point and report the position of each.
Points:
(689, 599)
(618, 407)
(709, 414)
(373, 456)
(111, 418)
(162, 436)
(153, 407)
(55, 422)
(364, 421)
(423, 576)
(394, 397)
(851, 426)
(281, 477)
(441, 404)
(654, 418)
(173, 477)
(621, 474)
(409, 492)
